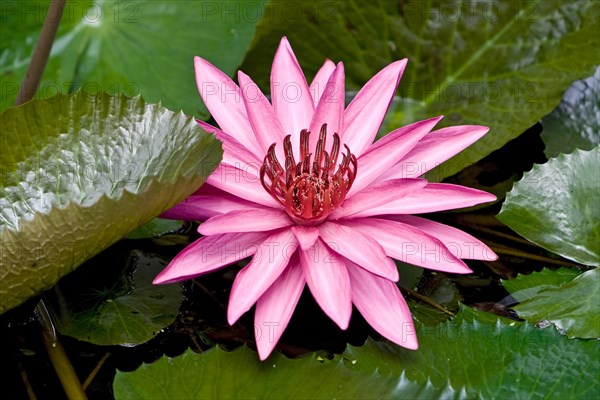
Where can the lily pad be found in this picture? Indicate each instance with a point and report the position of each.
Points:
(498, 64)
(473, 356)
(79, 172)
(133, 47)
(525, 287)
(126, 309)
(575, 123)
(574, 307)
(555, 206)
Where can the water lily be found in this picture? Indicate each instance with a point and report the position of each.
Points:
(304, 189)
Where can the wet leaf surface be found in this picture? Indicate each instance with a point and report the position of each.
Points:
(555, 206)
(79, 172)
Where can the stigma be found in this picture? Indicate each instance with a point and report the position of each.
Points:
(313, 187)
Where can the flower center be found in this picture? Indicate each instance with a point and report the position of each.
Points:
(309, 190)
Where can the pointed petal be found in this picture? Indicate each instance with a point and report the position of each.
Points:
(203, 207)
(367, 110)
(377, 194)
(330, 110)
(246, 221)
(275, 307)
(435, 148)
(266, 266)
(290, 94)
(265, 124)
(306, 236)
(460, 243)
(328, 281)
(383, 307)
(223, 99)
(409, 244)
(387, 151)
(241, 183)
(210, 253)
(234, 153)
(358, 248)
(317, 86)
(433, 197)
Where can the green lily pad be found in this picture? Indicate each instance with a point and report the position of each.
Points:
(475, 355)
(575, 123)
(498, 64)
(133, 47)
(555, 206)
(126, 309)
(574, 307)
(79, 172)
(525, 287)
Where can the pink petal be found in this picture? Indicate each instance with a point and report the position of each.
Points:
(433, 197)
(234, 153)
(460, 243)
(434, 149)
(387, 151)
(266, 266)
(262, 117)
(210, 253)
(330, 110)
(203, 207)
(306, 236)
(377, 194)
(223, 99)
(246, 221)
(358, 248)
(241, 183)
(409, 244)
(367, 110)
(275, 307)
(317, 86)
(290, 94)
(328, 281)
(383, 307)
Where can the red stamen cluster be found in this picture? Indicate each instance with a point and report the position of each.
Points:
(309, 191)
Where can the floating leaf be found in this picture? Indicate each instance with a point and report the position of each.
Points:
(79, 172)
(498, 64)
(473, 356)
(133, 47)
(126, 309)
(575, 123)
(555, 206)
(525, 287)
(574, 307)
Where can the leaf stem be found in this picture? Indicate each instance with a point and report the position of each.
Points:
(502, 235)
(95, 371)
(30, 392)
(429, 301)
(523, 254)
(58, 357)
(41, 52)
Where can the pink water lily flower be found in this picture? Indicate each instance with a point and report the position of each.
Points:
(304, 189)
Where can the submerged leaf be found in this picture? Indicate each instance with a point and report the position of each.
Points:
(126, 309)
